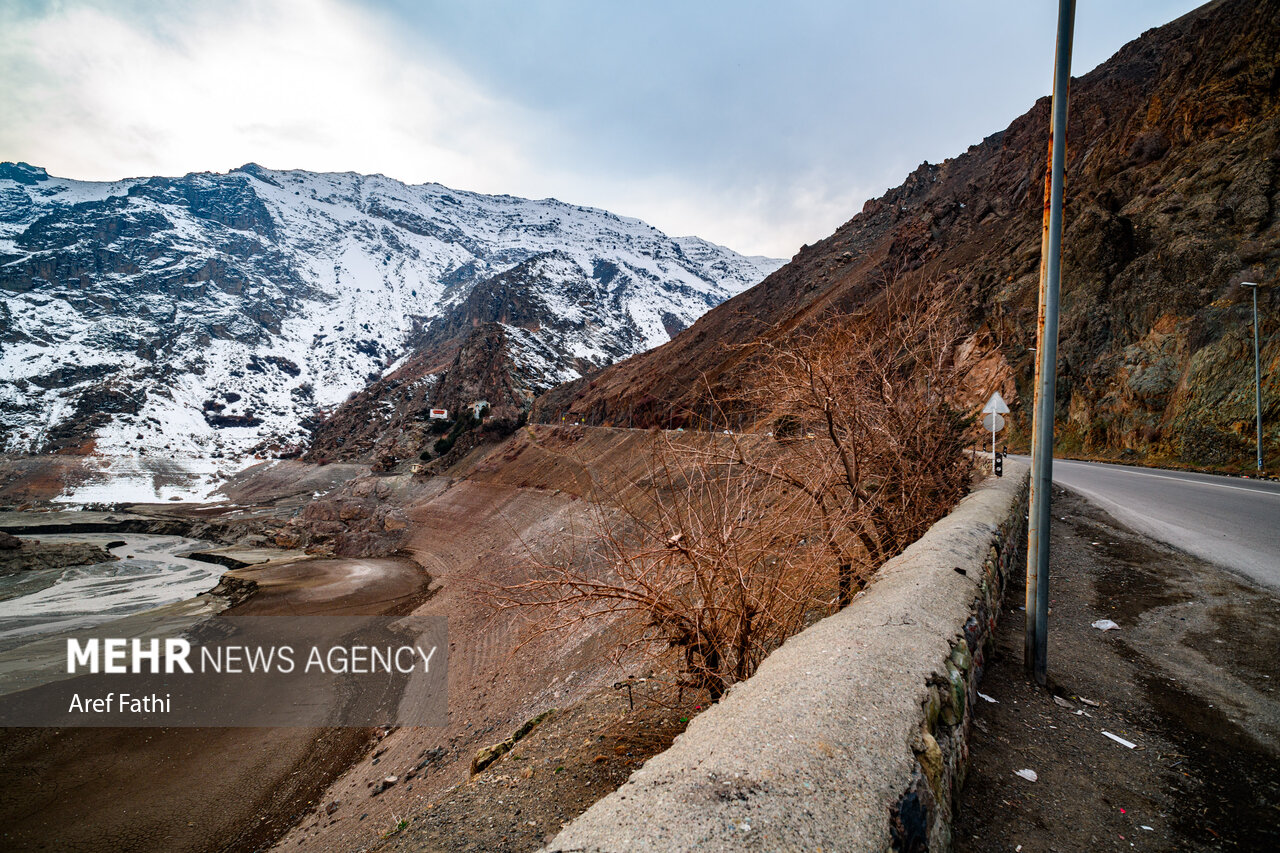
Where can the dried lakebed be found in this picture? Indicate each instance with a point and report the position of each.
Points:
(187, 789)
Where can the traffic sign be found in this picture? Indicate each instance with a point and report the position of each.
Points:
(997, 405)
(992, 422)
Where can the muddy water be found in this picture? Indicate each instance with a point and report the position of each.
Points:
(151, 572)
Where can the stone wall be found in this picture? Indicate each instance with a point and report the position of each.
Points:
(854, 734)
(921, 819)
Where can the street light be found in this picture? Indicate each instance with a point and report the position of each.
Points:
(1257, 371)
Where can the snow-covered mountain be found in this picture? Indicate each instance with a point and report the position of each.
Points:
(165, 322)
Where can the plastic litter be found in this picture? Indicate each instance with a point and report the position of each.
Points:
(1105, 625)
(1120, 740)
(1148, 828)
(1029, 775)
(987, 698)
(1088, 702)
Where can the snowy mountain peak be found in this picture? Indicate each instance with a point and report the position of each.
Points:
(164, 322)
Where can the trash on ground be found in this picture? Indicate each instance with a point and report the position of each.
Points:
(1148, 828)
(1083, 713)
(1089, 702)
(1105, 625)
(1062, 703)
(1029, 775)
(1120, 740)
(985, 697)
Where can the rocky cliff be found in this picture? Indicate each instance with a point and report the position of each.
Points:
(1171, 202)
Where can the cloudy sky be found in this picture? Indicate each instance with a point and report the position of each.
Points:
(759, 125)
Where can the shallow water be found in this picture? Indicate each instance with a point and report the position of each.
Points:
(149, 573)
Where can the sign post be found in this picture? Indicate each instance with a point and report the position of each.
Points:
(993, 420)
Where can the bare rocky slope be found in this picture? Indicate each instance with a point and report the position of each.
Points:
(1172, 174)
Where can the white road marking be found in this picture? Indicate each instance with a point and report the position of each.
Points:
(1252, 491)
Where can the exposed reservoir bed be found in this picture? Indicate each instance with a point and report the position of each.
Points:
(151, 572)
(194, 790)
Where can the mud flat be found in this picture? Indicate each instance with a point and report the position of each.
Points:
(198, 789)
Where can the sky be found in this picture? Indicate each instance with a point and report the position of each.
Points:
(757, 125)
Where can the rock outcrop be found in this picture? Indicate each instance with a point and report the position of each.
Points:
(23, 555)
(1172, 178)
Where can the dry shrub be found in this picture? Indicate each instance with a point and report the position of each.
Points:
(732, 543)
(707, 557)
(863, 406)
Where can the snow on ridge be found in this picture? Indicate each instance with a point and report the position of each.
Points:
(229, 307)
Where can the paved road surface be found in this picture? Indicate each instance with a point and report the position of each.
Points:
(1226, 520)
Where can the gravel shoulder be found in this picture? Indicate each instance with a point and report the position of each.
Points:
(1191, 678)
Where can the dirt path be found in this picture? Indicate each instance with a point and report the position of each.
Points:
(1191, 677)
(179, 789)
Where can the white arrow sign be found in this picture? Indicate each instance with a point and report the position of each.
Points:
(996, 404)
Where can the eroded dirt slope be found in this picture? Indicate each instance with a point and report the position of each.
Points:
(469, 530)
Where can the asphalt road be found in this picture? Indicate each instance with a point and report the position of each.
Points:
(1229, 521)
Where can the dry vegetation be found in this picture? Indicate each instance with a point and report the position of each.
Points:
(733, 542)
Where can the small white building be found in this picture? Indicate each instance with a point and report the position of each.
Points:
(478, 408)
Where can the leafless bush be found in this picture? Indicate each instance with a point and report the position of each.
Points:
(731, 543)
(715, 560)
(863, 405)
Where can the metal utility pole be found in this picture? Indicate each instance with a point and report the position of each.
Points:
(1257, 371)
(1037, 603)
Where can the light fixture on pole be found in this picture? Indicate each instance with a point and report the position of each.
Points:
(1257, 372)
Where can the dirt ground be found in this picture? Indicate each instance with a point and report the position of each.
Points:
(1190, 678)
(567, 763)
(461, 531)
(495, 682)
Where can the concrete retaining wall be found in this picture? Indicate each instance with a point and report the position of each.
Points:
(854, 734)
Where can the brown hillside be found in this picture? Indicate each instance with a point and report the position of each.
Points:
(1171, 202)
